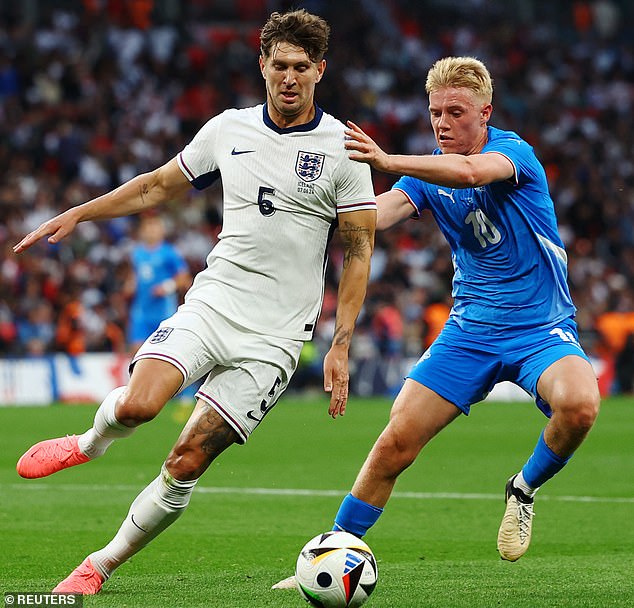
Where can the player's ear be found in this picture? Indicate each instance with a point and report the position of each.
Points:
(485, 114)
(261, 62)
(321, 68)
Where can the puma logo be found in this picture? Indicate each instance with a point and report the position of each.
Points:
(449, 195)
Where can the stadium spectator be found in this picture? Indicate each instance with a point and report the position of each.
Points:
(387, 326)
(624, 367)
(615, 327)
(434, 318)
(71, 332)
(36, 333)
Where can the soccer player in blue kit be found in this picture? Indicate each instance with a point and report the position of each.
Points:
(512, 318)
(159, 272)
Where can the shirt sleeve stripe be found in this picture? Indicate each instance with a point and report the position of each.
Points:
(515, 178)
(356, 206)
(409, 200)
(189, 173)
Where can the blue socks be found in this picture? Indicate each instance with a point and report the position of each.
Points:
(542, 465)
(356, 516)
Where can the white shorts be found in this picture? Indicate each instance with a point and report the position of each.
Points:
(246, 372)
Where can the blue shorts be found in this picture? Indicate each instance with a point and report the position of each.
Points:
(463, 367)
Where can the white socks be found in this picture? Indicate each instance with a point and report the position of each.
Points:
(106, 428)
(153, 510)
(520, 482)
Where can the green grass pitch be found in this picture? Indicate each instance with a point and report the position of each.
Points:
(258, 504)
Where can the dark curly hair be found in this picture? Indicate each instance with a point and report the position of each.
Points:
(299, 28)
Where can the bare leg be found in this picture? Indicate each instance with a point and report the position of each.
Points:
(570, 387)
(205, 436)
(152, 384)
(418, 414)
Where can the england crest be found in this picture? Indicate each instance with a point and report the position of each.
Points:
(160, 335)
(309, 165)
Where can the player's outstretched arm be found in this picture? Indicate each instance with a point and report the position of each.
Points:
(142, 192)
(450, 170)
(357, 233)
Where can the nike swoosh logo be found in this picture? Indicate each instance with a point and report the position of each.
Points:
(235, 152)
(137, 525)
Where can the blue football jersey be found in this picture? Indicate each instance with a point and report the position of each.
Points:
(151, 268)
(510, 265)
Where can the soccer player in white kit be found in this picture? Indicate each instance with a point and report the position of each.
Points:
(287, 183)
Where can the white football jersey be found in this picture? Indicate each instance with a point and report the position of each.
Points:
(282, 191)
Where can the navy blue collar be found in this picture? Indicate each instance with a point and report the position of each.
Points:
(307, 126)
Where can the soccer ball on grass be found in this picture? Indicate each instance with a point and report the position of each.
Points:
(336, 570)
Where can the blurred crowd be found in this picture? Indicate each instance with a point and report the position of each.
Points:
(95, 92)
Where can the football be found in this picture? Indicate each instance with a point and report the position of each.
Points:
(336, 570)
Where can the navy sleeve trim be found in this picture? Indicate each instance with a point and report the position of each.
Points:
(205, 180)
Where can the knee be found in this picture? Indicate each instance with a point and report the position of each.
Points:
(396, 451)
(579, 409)
(134, 409)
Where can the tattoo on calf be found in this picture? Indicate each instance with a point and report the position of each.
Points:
(218, 435)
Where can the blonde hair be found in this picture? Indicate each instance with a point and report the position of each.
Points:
(467, 72)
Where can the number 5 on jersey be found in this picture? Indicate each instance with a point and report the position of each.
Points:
(266, 206)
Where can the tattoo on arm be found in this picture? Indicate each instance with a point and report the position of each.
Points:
(144, 190)
(356, 242)
(342, 336)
